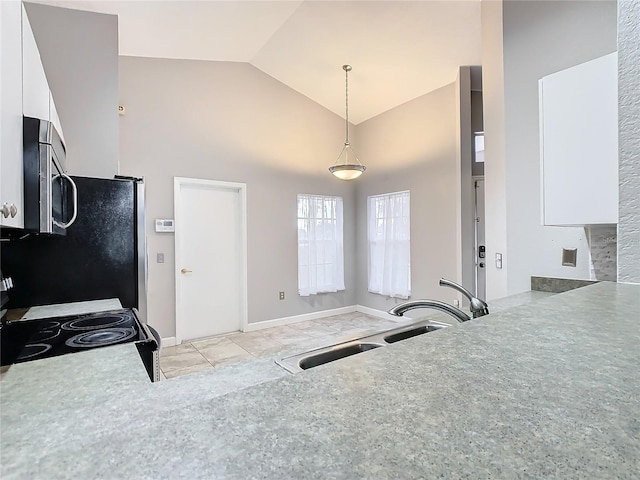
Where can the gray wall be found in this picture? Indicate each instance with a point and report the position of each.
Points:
(413, 147)
(230, 121)
(79, 52)
(629, 118)
(539, 38)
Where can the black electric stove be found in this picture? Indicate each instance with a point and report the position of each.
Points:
(24, 341)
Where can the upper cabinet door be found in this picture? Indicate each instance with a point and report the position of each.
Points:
(11, 185)
(579, 144)
(35, 88)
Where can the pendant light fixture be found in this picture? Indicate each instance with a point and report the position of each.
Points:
(343, 168)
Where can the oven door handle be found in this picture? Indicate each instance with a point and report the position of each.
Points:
(149, 351)
(74, 193)
(151, 335)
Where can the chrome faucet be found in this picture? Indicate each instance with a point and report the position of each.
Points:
(478, 307)
(401, 308)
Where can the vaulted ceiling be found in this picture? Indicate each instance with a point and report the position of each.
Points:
(398, 50)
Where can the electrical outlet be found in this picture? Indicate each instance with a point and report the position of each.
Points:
(160, 257)
(281, 295)
(456, 302)
(498, 260)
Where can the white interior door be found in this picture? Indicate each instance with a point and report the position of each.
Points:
(210, 257)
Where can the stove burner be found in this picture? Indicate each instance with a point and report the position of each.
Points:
(33, 349)
(100, 338)
(44, 335)
(46, 338)
(95, 321)
(49, 324)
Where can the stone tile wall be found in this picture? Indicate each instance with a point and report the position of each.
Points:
(603, 247)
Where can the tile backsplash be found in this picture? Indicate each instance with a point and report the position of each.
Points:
(603, 247)
(557, 285)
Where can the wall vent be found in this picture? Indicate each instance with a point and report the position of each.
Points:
(569, 256)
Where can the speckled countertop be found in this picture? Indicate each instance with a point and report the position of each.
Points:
(550, 389)
(63, 309)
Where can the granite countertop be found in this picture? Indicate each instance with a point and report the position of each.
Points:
(548, 389)
(63, 309)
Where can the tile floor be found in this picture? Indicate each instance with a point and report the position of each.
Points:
(215, 352)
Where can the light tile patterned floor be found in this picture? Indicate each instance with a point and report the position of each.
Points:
(235, 347)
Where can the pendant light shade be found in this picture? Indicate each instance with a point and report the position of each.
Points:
(347, 171)
(345, 167)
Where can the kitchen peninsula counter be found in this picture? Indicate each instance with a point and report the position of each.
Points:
(63, 309)
(549, 389)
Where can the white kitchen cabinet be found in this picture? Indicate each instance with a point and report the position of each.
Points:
(24, 90)
(35, 88)
(11, 185)
(579, 144)
(37, 100)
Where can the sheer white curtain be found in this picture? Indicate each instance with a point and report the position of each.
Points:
(320, 244)
(389, 244)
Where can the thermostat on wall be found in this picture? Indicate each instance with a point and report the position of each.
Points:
(165, 225)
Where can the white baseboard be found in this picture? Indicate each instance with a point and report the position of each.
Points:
(277, 322)
(378, 313)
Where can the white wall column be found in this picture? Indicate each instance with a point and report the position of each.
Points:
(495, 147)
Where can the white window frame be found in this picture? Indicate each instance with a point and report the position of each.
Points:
(320, 244)
(389, 241)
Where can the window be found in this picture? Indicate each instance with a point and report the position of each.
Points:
(320, 245)
(478, 138)
(389, 244)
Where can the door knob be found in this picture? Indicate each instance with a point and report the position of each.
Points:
(185, 270)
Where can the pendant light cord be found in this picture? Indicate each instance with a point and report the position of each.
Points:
(347, 170)
(346, 101)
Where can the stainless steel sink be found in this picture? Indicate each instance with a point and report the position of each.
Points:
(320, 356)
(331, 353)
(413, 331)
(336, 353)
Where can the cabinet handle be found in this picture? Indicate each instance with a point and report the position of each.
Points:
(185, 270)
(13, 210)
(5, 210)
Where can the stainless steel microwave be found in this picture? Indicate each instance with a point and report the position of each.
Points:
(50, 196)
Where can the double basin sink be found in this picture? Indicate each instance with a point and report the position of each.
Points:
(320, 356)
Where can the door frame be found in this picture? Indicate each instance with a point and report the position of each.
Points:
(476, 239)
(241, 189)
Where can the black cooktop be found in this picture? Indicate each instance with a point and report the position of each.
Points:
(23, 341)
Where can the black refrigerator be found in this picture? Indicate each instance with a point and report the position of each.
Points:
(102, 255)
